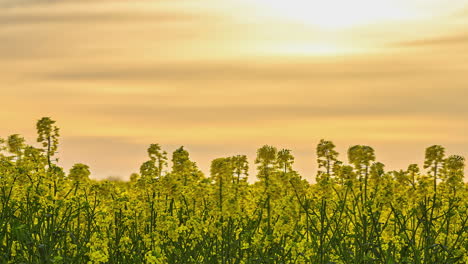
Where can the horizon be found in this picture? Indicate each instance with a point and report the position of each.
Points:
(306, 167)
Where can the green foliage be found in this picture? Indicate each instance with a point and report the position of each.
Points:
(148, 170)
(159, 158)
(361, 156)
(434, 158)
(453, 171)
(356, 213)
(16, 145)
(48, 135)
(326, 159)
(79, 173)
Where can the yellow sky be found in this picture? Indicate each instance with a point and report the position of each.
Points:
(224, 77)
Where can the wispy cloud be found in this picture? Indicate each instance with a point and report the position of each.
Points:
(92, 17)
(29, 3)
(250, 69)
(460, 39)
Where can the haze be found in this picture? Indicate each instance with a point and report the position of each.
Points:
(224, 77)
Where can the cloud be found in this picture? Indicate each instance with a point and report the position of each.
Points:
(29, 3)
(100, 32)
(246, 70)
(459, 39)
(23, 3)
(92, 17)
(412, 113)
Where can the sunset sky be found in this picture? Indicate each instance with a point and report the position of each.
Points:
(224, 77)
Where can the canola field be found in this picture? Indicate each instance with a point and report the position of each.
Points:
(170, 212)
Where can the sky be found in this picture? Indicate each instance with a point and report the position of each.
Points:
(225, 77)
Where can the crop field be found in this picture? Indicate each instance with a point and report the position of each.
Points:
(170, 212)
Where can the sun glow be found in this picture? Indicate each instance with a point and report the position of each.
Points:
(332, 14)
(343, 14)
